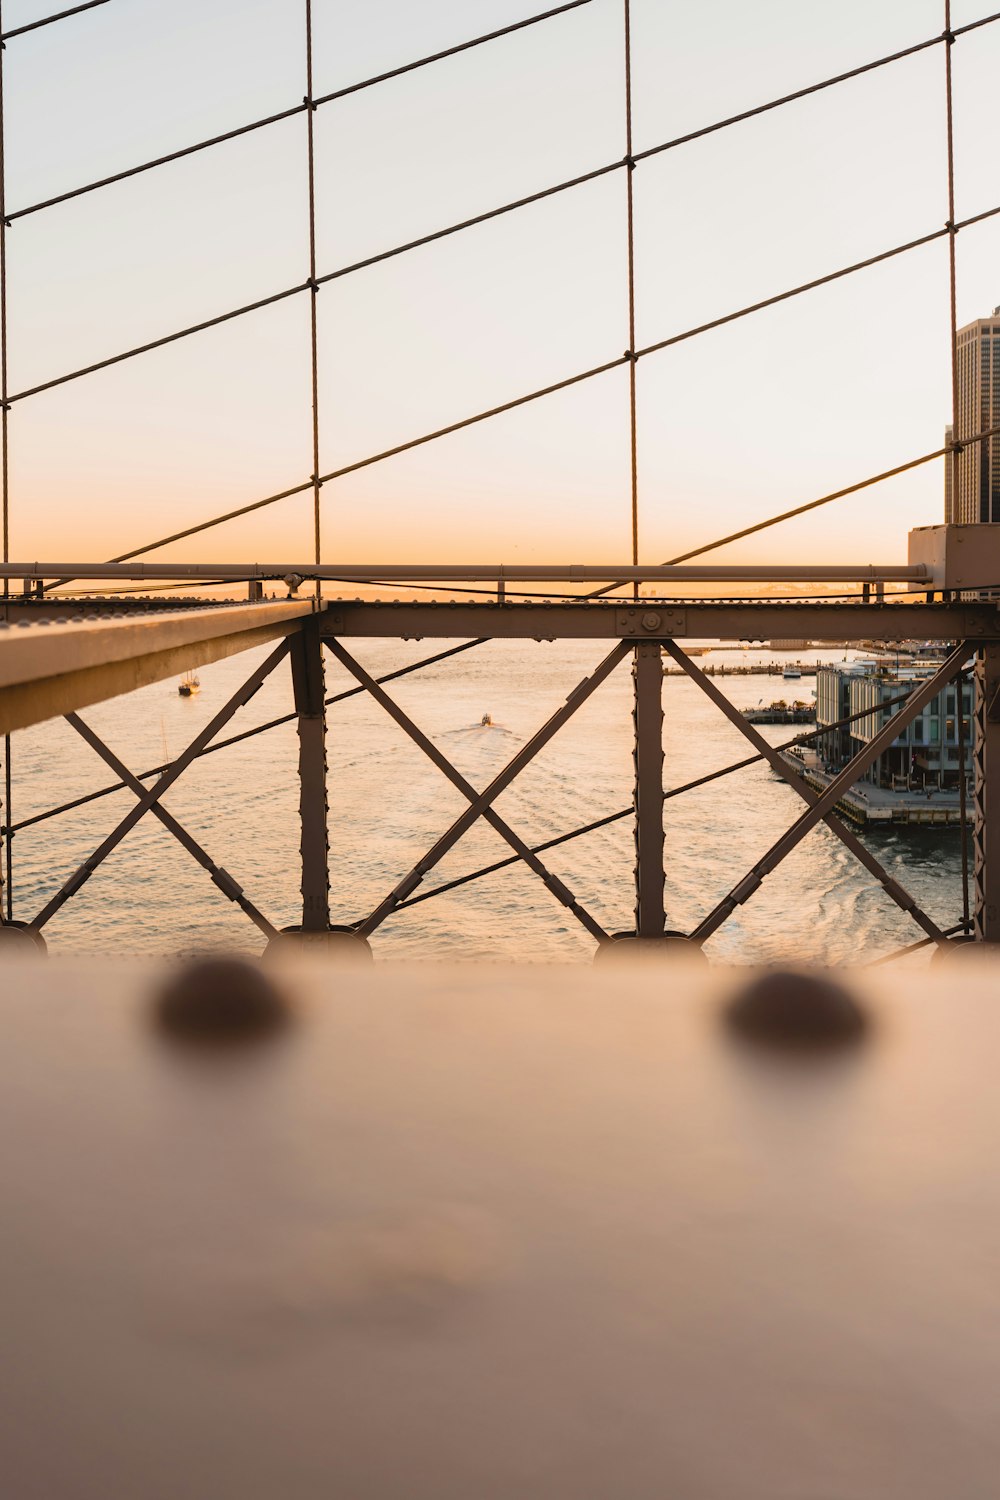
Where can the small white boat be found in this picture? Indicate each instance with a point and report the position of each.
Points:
(189, 685)
(791, 674)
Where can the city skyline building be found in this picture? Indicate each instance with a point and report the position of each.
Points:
(972, 477)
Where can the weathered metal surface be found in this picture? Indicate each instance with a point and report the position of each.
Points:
(958, 557)
(558, 888)
(737, 620)
(780, 765)
(220, 877)
(647, 714)
(552, 572)
(488, 796)
(828, 799)
(53, 669)
(986, 781)
(308, 683)
(151, 795)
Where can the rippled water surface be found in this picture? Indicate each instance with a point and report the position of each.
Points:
(388, 804)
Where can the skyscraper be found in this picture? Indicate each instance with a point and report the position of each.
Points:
(972, 488)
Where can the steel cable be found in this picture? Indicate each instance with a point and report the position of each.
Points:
(650, 151)
(313, 289)
(62, 15)
(951, 229)
(953, 458)
(888, 958)
(551, 389)
(284, 114)
(630, 279)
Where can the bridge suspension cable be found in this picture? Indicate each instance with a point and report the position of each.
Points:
(635, 351)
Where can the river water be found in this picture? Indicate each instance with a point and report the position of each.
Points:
(388, 804)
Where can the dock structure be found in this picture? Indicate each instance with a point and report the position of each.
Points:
(872, 806)
(61, 651)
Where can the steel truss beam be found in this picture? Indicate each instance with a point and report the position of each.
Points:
(220, 877)
(153, 794)
(494, 573)
(524, 852)
(484, 800)
(892, 887)
(718, 620)
(51, 670)
(829, 798)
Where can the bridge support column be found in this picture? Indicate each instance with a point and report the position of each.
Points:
(987, 794)
(647, 676)
(986, 819)
(309, 688)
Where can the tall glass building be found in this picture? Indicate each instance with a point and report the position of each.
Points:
(972, 485)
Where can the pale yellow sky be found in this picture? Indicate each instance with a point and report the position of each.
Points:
(743, 422)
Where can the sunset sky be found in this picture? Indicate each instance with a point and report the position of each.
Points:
(740, 423)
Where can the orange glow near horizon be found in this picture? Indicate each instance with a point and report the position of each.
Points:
(743, 422)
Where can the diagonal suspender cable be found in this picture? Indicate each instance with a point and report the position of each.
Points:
(62, 15)
(669, 145)
(888, 958)
(284, 114)
(433, 57)
(951, 229)
(576, 380)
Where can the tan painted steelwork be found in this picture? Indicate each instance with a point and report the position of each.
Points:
(50, 669)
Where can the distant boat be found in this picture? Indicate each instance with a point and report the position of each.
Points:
(189, 685)
(486, 721)
(791, 673)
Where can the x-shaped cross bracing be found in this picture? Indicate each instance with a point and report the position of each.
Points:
(821, 804)
(480, 803)
(148, 799)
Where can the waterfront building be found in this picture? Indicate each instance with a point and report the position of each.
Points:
(972, 480)
(833, 703)
(926, 754)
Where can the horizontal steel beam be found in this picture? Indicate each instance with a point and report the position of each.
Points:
(56, 668)
(711, 620)
(496, 573)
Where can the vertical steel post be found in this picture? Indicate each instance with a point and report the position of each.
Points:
(647, 716)
(986, 794)
(309, 688)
